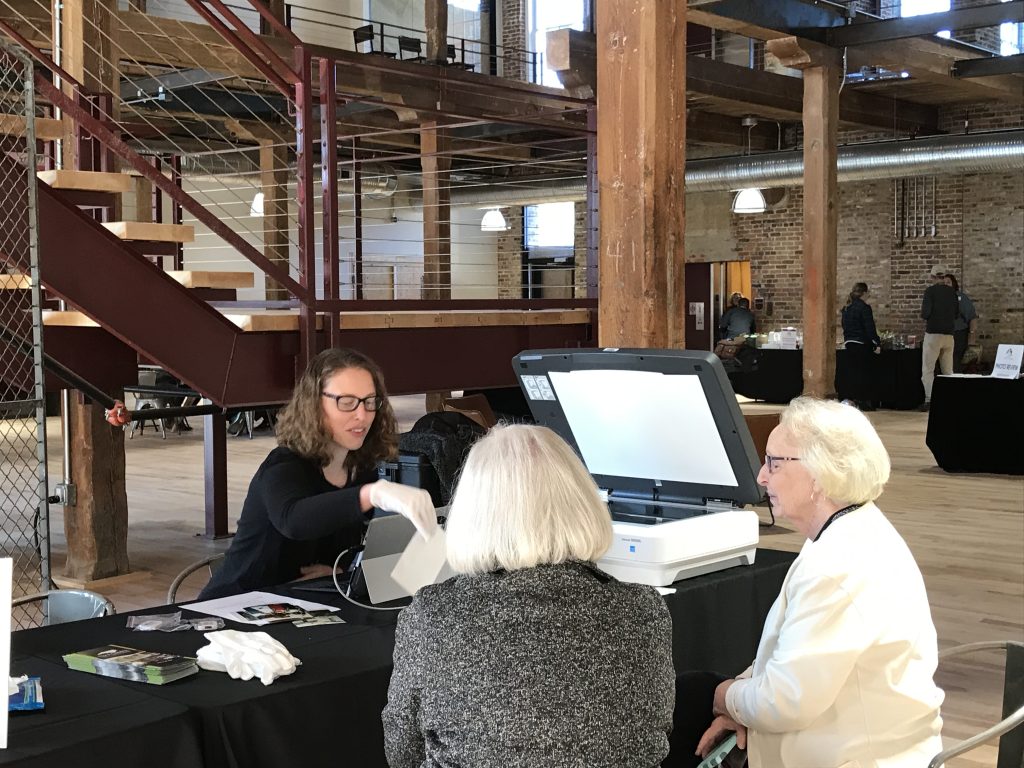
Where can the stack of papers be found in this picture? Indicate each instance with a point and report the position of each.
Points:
(260, 608)
(132, 664)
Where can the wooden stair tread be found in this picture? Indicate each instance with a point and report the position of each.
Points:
(191, 278)
(68, 318)
(47, 128)
(15, 282)
(162, 233)
(285, 320)
(86, 181)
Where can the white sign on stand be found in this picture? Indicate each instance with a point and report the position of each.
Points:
(1007, 365)
(788, 338)
(6, 575)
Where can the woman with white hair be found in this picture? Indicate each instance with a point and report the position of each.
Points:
(532, 656)
(844, 670)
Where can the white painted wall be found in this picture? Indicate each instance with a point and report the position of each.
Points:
(392, 237)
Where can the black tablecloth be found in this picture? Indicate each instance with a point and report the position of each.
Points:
(93, 722)
(975, 424)
(328, 712)
(777, 377)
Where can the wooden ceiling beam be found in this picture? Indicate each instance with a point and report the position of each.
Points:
(759, 89)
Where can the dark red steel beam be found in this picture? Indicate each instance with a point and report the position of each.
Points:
(236, 42)
(304, 201)
(329, 184)
(274, 22)
(126, 153)
(255, 41)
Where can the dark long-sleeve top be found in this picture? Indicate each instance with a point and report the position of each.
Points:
(556, 666)
(292, 517)
(939, 308)
(859, 323)
(736, 321)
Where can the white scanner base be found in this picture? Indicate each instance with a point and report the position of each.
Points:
(658, 555)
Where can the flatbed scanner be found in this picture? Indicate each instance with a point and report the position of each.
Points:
(663, 437)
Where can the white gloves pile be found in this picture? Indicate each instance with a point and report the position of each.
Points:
(411, 503)
(245, 655)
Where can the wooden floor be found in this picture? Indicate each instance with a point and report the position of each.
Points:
(967, 532)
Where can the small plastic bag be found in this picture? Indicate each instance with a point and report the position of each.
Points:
(158, 622)
(206, 623)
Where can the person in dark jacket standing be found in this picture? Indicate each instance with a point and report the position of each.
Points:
(312, 496)
(861, 340)
(939, 308)
(532, 657)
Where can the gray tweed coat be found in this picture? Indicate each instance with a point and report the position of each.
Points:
(559, 666)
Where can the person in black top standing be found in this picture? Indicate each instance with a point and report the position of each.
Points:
(313, 495)
(738, 320)
(861, 340)
(939, 308)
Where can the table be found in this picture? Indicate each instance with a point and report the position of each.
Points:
(778, 377)
(328, 712)
(975, 424)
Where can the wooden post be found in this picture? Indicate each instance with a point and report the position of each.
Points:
(274, 185)
(435, 21)
(641, 157)
(437, 224)
(87, 55)
(97, 526)
(822, 76)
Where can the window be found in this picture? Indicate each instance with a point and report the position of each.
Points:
(919, 7)
(549, 15)
(1011, 38)
(551, 227)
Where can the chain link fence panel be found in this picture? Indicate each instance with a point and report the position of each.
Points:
(24, 513)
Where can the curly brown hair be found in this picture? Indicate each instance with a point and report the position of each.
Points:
(301, 427)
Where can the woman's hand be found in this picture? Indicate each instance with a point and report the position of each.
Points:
(720, 727)
(718, 705)
(411, 503)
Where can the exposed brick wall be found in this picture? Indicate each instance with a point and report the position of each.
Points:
(513, 39)
(510, 255)
(979, 222)
(580, 251)
(986, 37)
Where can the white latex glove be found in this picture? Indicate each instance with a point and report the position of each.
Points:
(411, 503)
(244, 655)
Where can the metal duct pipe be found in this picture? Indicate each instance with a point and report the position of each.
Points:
(932, 156)
(521, 192)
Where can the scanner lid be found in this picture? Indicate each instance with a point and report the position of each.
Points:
(648, 423)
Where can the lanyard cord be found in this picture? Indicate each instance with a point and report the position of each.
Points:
(836, 515)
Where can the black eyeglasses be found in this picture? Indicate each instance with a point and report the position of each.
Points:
(348, 403)
(772, 462)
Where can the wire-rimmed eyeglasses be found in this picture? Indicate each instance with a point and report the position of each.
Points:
(348, 403)
(771, 462)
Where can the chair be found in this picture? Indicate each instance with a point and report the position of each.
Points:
(365, 35)
(213, 562)
(411, 45)
(457, 64)
(474, 407)
(62, 605)
(1011, 746)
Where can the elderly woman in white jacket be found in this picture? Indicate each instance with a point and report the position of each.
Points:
(843, 676)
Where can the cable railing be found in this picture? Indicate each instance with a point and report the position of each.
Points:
(226, 145)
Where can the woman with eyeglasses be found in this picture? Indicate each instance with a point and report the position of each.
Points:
(312, 496)
(844, 670)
